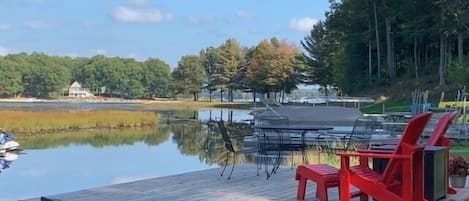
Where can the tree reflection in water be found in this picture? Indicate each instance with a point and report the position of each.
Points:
(193, 137)
(97, 138)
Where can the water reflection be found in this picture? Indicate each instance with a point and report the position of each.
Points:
(97, 138)
(64, 162)
(214, 151)
(203, 115)
(6, 159)
(200, 138)
(229, 115)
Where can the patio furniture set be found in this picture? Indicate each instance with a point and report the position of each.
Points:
(402, 178)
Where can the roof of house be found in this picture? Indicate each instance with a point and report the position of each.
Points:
(75, 85)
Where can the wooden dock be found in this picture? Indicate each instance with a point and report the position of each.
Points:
(207, 185)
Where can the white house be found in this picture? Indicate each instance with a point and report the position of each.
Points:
(75, 90)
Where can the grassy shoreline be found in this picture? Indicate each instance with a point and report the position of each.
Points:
(29, 122)
(35, 122)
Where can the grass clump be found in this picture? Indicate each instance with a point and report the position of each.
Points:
(52, 121)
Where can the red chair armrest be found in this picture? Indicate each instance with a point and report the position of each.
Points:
(374, 151)
(371, 155)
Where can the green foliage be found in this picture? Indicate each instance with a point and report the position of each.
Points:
(40, 75)
(319, 68)
(189, 76)
(157, 78)
(459, 73)
(210, 58)
(230, 58)
(10, 84)
(402, 38)
(387, 106)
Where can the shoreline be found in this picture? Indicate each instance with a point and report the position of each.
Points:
(146, 104)
(72, 100)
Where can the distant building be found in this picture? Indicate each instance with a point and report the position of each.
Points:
(75, 90)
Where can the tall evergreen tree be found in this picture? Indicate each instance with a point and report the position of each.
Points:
(318, 68)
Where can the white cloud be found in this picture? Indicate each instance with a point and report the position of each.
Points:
(3, 51)
(200, 20)
(302, 24)
(4, 27)
(99, 51)
(139, 2)
(36, 24)
(132, 15)
(244, 15)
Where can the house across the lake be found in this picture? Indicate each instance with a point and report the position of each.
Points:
(75, 90)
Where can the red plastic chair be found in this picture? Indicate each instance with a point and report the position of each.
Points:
(406, 161)
(326, 176)
(437, 138)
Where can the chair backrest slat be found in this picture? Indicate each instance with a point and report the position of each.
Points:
(440, 129)
(410, 136)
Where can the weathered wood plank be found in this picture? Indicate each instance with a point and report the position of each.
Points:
(207, 185)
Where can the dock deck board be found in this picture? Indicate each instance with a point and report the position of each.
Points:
(207, 185)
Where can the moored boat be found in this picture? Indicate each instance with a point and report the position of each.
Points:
(7, 142)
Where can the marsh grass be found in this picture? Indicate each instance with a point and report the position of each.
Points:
(96, 138)
(52, 121)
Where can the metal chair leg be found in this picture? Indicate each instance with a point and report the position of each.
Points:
(232, 167)
(226, 163)
(258, 166)
(291, 164)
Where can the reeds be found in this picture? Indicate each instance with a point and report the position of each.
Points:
(52, 121)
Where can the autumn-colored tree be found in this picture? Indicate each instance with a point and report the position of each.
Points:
(271, 67)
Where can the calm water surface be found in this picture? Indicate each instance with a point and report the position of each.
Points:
(70, 164)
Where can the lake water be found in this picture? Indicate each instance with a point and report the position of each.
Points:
(57, 164)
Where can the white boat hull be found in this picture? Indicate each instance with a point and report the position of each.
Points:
(9, 146)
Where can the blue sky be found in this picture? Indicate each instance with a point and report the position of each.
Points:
(165, 29)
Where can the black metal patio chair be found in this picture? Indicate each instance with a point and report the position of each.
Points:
(227, 139)
(363, 130)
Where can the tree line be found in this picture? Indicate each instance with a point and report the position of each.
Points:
(359, 45)
(268, 67)
(41, 75)
(370, 43)
(271, 66)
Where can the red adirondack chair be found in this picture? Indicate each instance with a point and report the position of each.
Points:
(438, 138)
(406, 160)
